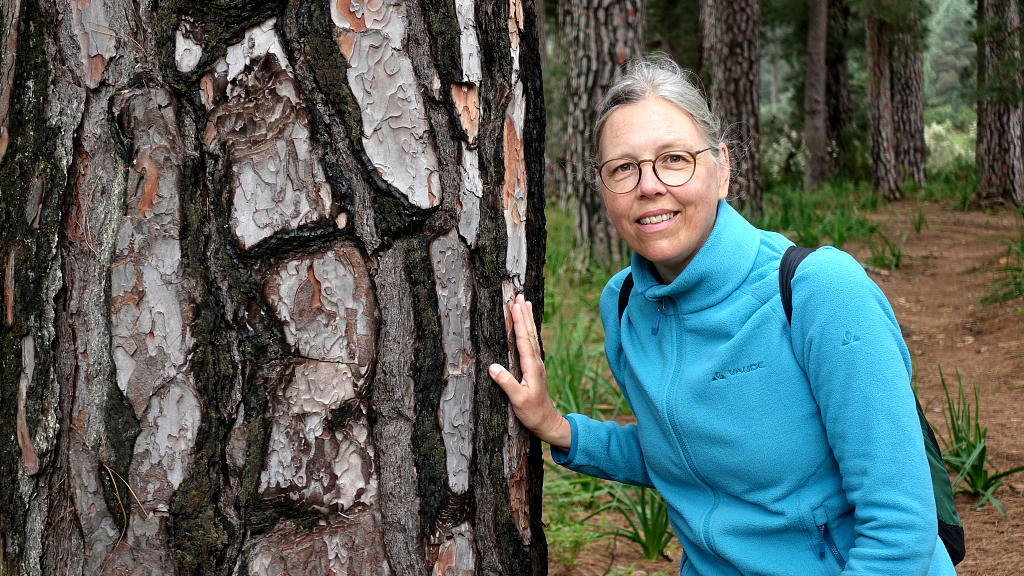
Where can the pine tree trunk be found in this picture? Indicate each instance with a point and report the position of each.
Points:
(884, 179)
(257, 257)
(998, 146)
(604, 35)
(837, 90)
(815, 112)
(908, 97)
(709, 41)
(732, 55)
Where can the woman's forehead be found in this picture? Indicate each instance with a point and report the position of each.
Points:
(649, 126)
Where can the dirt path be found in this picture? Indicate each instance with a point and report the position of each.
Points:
(946, 270)
(936, 294)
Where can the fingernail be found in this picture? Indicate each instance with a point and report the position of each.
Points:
(494, 370)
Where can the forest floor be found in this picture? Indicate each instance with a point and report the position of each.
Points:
(936, 292)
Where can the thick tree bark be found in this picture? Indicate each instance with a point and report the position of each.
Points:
(837, 89)
(999, 142)
(731, 45)
(603, 36)
(884, 178)
(907, 85)
(815, 112)
(257, 261)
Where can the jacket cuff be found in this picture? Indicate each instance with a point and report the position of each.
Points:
(561, 457)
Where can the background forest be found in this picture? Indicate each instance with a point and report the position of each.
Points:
(891, 129)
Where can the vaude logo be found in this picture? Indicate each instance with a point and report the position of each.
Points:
(723, 374)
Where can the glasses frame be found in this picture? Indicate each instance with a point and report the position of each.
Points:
(654, 168)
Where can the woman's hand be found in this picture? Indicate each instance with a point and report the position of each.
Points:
(530, 398)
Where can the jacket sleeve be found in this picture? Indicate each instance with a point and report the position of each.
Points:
(606, 449)
(846, 336)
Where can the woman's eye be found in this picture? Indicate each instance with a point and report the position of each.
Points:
(673, 159)
(624, 168)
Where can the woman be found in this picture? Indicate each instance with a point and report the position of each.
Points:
(780, 448)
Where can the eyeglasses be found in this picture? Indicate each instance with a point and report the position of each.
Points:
(673, 168)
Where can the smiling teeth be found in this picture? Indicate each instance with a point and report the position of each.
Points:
(658, 218)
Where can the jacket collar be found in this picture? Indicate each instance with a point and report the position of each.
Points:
(719, 268)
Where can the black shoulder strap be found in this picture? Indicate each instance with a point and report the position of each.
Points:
(787, 268)
(627, 287)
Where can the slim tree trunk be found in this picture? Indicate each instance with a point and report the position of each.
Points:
(732, 53)
(884, 178)
(709, 41)
(908, 96)
(837, 90)
(998, 146)
(815, 112)
(604, 35)
(256, 265)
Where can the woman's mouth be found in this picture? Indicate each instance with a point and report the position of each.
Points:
(647, 220)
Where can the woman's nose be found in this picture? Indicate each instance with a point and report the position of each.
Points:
(650, 184)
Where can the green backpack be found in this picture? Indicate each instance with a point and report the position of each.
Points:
(951, 529)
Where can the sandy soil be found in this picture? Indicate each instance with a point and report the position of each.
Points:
(936, 293)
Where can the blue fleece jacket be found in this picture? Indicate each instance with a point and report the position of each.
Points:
(780, 449)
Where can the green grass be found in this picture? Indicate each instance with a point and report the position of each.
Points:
(885, 252)
(953, 184)
(834, 215)
(566, 535)
(918, 219)
(646, 515)
(1009, 283)
(965, 453)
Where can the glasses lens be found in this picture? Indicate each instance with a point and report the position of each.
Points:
(620, 175)
(675, 168)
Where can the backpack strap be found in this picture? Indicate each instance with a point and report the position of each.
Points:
(627, 287)
(787, 268)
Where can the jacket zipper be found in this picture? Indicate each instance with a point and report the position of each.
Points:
(657, 319)
(825, 541)
(670, 414)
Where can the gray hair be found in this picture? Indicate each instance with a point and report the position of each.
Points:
(659, 76)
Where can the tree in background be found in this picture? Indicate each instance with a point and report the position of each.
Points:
(839, 102)
(884, 175)
(731, 48)
(907, 86)
(256, 262)
(998, 152)
(815, 110)
(602, 36)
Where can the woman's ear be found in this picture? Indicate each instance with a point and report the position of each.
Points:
(725, 171)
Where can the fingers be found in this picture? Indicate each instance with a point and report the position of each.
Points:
(503, 378)
(527, 341)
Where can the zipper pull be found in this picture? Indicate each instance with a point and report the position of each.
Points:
(821, 542)
(657, 319)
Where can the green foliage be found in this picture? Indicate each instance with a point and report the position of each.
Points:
(885, 252)
(577, 377)
(918, 219)
(566, 535)
(1010, 281)
(965, 453)
(646, 514)
(949, 64)
(782, 159)
(955, 185)
(949, 145)
(835, 213)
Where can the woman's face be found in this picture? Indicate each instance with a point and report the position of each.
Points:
(665, 224)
